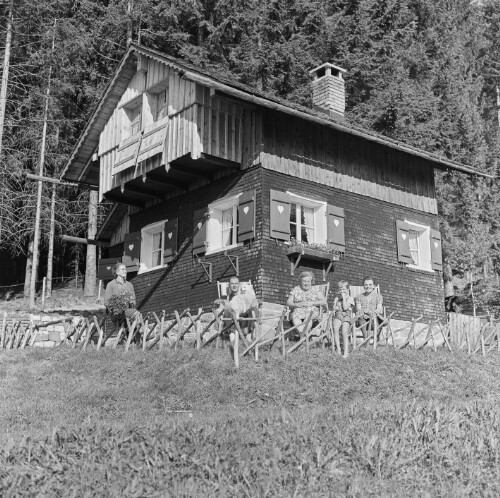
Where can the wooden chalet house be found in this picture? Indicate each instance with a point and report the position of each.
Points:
(211, 178)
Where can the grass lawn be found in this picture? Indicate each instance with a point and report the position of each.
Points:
(185, 423)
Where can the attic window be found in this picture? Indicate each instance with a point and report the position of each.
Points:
(133, 113)
(162, 105)
(135, 120)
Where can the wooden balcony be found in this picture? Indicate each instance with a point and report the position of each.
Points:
(171, 154)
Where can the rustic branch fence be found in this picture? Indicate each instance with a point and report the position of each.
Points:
(474, 335)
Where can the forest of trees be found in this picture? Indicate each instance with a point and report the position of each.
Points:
(426, 72)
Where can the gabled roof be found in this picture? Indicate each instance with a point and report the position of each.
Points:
(81, 169)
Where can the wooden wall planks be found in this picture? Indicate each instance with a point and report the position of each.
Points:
(321, 155)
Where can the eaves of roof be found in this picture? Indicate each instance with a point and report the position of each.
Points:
(89, 139)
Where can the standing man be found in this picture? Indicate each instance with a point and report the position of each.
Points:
(119, 297)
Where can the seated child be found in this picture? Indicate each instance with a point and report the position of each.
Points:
(368, 306)
(343, 310)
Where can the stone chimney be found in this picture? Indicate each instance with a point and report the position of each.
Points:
(328, 92)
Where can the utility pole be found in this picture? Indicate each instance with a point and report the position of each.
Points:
(5, 71)
(3, 99)
(50, 256)
(91, 262)
(498, 104)
(36, 236)
(130, 4)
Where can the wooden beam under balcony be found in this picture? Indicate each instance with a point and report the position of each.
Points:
(143, 191)
(219, 161)
(166, 180)
(191, 172)
(121, 199)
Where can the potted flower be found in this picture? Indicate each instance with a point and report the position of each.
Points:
(119, 303)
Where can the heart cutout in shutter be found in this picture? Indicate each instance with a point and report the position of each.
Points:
(403, 235)
(199, 225)
(169, 235)
(130, 247)
(336, 223)
(280, 208)
(436, 244)
(108, 267)
(245, 209)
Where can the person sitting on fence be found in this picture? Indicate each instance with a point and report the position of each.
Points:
(304, 300)
(119, 297)
(241, 303)
(343, 307)
(368, 306)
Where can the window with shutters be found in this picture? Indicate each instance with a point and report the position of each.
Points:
(222, 224)
(307, 220)
(152, 246)
(420, 246)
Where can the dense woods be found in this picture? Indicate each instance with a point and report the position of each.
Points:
(426, 72)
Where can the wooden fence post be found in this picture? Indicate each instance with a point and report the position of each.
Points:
(145, 334)
(198, 335)
(236, 355)
(162, 338)
(4, 324)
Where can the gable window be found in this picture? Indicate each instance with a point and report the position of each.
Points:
(135, 120)
(161, 105)
(133, 117)
(222, 225)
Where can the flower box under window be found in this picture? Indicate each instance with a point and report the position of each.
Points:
(314, 254)
(324, 255)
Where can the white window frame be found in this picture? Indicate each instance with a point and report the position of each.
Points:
(147, 245)
(320, 227)
(214, 224)
(424, 246)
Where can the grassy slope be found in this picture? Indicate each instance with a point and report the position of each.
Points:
(381, 423)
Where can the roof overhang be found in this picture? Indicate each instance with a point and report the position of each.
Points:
(81, 168)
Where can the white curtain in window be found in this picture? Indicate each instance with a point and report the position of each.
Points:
(156, 249)
(413, 242)
(309, 223)
(227, 225)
